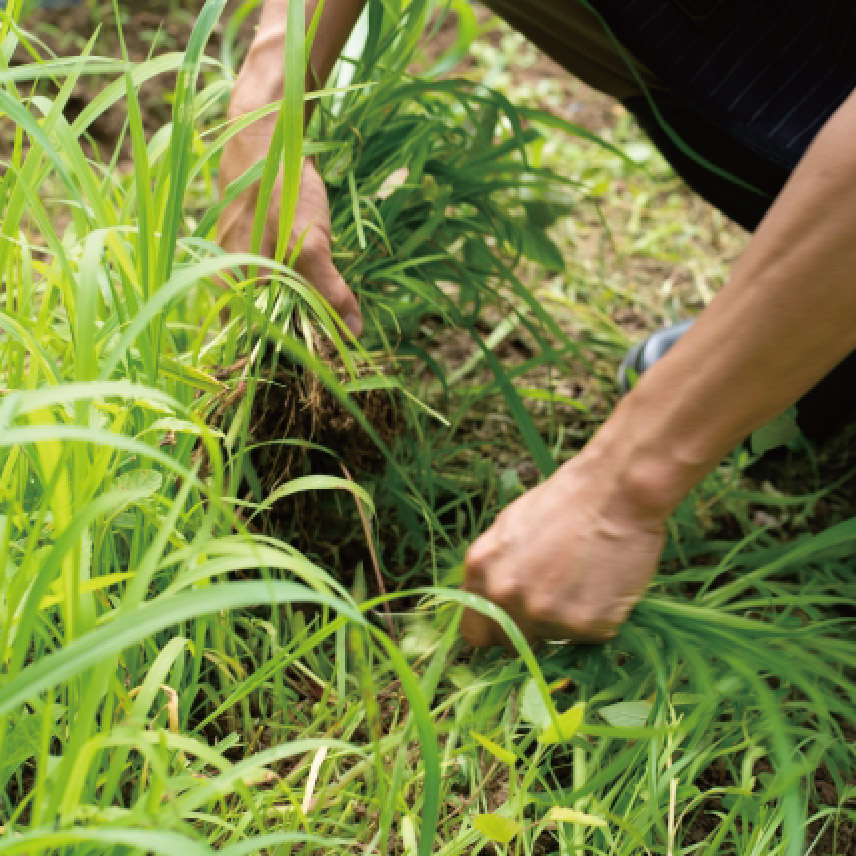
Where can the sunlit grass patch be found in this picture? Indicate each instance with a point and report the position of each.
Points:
(183, 671)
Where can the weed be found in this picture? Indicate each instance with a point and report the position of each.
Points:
(178, 675)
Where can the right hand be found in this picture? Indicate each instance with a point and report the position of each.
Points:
(311, 222)
(567, 560)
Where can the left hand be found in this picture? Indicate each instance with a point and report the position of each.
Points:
(568, 560)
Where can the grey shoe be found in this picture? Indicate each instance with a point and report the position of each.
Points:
(643, 355)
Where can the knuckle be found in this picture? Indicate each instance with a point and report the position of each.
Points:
(472, 567)
(340, 296)
(475, 555)
(542, 608)
(502, 589)
(478, 554)
(589, 626)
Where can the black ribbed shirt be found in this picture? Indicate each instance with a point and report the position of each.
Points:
(771, 72)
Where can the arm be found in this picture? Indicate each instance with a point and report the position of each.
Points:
(260, 82)
(785, 320)
(573, 556)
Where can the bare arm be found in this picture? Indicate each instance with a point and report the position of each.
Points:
(573, 556)
(261, 82)
(786, 318)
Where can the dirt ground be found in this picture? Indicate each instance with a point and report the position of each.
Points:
(148, 29)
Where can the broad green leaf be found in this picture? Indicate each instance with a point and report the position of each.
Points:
(496, 827)
(566, 726)
(781, 431)
(627, 714)
(21, 743)
(535, 244)
(559, 814)
(533, 708)
(495, 749)
(140, 484)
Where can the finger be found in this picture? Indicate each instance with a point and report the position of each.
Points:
(478, 630)
(233, 237)
(589, 624)
(234, 228)
(480, 553)
(235, 231)
(317, 266)
(482, 632)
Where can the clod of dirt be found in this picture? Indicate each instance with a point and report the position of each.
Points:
(299, 427)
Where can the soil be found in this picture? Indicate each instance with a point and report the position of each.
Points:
(326, 437)
(148, 28)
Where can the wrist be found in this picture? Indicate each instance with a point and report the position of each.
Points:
(256, 86)
(650, 471)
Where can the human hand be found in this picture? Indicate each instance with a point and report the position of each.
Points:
(568, 560)
(311, 223)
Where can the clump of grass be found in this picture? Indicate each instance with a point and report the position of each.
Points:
(128, 700)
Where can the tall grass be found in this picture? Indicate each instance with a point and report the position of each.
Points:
(172, 681)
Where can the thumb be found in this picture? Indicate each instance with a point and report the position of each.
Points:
(316, 265)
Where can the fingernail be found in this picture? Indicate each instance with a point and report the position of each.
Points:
(354, 323)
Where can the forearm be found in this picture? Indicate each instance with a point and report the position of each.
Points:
(785, 319)
(260, 80)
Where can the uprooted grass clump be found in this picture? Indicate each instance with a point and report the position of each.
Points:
(291, 402)
(428, 248)
(298, 428)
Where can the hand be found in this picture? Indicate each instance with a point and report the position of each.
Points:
(311, 222)
(566, 560)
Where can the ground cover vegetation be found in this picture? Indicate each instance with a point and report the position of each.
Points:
(232, 537)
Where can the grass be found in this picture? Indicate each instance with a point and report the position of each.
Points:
(183, 670)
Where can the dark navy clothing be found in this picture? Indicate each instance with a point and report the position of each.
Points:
(731, 91)
(770, 72)
(747, 85)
